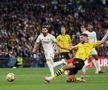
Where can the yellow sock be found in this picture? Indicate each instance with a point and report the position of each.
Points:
(77, 78)
(74, 79)
(58, 73)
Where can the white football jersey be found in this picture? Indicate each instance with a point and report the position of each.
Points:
(91, 36)
(47, 44)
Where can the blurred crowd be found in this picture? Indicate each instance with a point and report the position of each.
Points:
(21, 21)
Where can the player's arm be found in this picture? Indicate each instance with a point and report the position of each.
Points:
(103, 39)
(67, 48)
(70, 41)
(36, 46)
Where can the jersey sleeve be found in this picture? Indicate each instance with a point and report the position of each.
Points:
(38, 39)
(94, 44)
(53, 39)
(58, 38)
(76, 46)
(70, 40)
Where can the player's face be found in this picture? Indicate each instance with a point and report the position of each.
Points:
(82, 29)
(63, 30)
(90, 27)
(83, 38)
(44, 31)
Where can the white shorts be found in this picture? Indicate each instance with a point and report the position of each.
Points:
(49, 55)
(93, 52)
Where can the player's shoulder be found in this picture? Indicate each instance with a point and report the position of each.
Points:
(40, 35)
(39, 38)
(50, 35)
(93, 32)
(67, 35)
(59, 36)
(86, 32)
(79, 44)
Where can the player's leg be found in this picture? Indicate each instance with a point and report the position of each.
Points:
(71, 78)
(85, 67)
(72, 72)
(64, 68)
(94, 52)
(95, 61)
(77, 64)
(59, 72)
(97, 64)
(49, 60)
(50, 66)
(62, 61)
(66, 57)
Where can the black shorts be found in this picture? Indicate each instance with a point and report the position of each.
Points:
(79, 63)
(65, 55)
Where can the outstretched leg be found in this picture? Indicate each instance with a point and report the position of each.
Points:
(71, 78)
(50, 66)
(59, 72)
(97, 65)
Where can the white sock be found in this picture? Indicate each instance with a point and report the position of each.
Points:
(94, 63)
(50, 66)
(98, 65)
(85, 66)
(58, 63)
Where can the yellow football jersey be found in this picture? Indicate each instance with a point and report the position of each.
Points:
(64, 40)
(84, 50)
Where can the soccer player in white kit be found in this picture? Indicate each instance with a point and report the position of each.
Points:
(47, 40)
(93, 55)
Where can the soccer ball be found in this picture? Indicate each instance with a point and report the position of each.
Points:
(10, 77)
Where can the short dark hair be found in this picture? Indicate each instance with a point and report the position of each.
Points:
(45, 26)
(84, 25)
(63, 26)
(84, 34)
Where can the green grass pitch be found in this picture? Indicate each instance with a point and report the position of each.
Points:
(31, 79)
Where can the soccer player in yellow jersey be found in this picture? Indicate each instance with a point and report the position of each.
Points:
(83, 50)
(64, 40)
(93, 55)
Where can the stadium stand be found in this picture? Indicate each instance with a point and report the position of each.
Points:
(20, 22)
